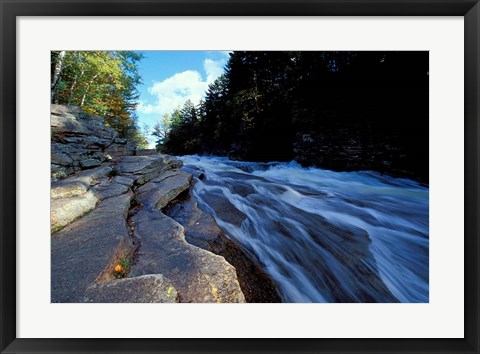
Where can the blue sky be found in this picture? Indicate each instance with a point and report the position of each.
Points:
(172, 77)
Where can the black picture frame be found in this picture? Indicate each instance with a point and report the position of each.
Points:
(9, 10)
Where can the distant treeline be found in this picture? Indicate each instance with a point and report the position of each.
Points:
(336, 110)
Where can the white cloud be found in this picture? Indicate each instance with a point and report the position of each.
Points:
(226, 53)
(175, 90)
(144, 107)
(213, 69)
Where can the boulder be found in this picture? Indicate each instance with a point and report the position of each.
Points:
(151, 288)
(64, 211)
(88, 249)
(198, 275)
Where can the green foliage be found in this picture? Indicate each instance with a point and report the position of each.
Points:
(102, 83)
(240, 107)
(183, 136)
(122, 269)
(140, 137)
(56, 229)
(125, 262)
(161, 130)
(56, 175)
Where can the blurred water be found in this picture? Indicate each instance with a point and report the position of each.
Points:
(322, 236)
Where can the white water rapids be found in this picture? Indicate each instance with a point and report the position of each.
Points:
(322, 236)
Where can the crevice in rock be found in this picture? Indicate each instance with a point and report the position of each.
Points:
(126, 253)
(112, 173)
(175, 206)
(135, 207)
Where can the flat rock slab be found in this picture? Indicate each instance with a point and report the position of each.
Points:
(198, 275)
(72, 198)
(144, 168)
(91, 176)
(123, 180)
(163, 189)
(152, 288)
(108, 189)
(165, 175)
(89, 163)
(79, 183)
(140, 164)
(67, 188)
(83, 250)
(66, 210)
(61, 159)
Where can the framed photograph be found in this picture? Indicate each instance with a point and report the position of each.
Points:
(251, 177)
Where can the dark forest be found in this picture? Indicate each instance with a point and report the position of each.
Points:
(336, 110)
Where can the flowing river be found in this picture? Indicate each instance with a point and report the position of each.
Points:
(322, 236)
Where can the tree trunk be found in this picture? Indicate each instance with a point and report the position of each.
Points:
(56, 73)
(72, 87)
(86, 90)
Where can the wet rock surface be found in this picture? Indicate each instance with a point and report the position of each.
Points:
(323, 236)
(224, 209)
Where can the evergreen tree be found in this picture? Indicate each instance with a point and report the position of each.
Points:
(184, 137)
(368, 106)
(161, 131)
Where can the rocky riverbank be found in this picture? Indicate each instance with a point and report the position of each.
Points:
(202, 231)
(80, 141)
(111, 240)
(112, 243)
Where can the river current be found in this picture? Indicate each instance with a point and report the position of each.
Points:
(322, 236)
